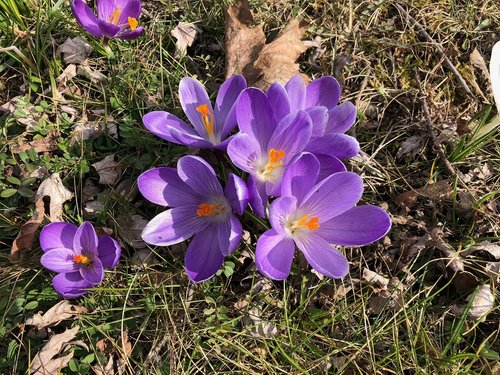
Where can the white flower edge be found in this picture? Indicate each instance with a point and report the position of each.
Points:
(495, 73)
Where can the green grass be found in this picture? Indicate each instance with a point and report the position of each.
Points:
(321, 327)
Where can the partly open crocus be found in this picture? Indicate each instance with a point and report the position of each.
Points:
(199, 207)
(312, 216)
(210, 128)
(78, 255)
(115, 18)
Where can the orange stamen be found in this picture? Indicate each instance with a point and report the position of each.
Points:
(81, 259)
(115, 16)
(306, 221)
(132, 23)
(275, 161)
(206, 209)
(207, 118)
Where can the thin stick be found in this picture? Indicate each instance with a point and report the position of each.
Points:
(440, 49)
(21, 55)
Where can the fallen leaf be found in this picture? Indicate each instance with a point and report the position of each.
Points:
(491, 248)
(412, 146)
(91, 209)
(63, 310)
(438, 191)
(89, 190)
(26, 236)
(477, 60)
(53, 188)
(45, 144)
(481, 305)
(130, 230)
(108, 369)
(185, 33)
(258, 327)
(373, 278)
(74, 51)
(67, 75)
(49, 360)
(93, 75)
(144, 257)
(24, 112)
(108, 170)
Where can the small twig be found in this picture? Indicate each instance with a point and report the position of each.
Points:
(440, 49)
(21, 55)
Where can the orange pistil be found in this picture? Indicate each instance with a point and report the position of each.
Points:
(81, 259)
(115, 16)
(306, 221)
(132, 23)
(207, 118)
(206, 209)
(275, 161)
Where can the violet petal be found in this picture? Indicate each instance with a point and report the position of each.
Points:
(57, 235)
(274, 254)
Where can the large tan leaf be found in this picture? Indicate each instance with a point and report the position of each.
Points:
(58, 194)
(63, 310)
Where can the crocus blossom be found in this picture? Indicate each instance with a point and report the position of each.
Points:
(199, 208)
(495, 73)
(78, 255)
(313, 215)
(210, 128)
(115, 18)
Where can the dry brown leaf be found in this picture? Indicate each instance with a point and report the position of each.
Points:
(93, 75)
(258, 327)
(74, 51)
(53, 188)
(185, 33)
(373, 278)
(477, 60)
(130, 230)
(45, 144)
(63, 310)
(49, 360)
(67, 75)
(481, 305)
(491, 248)
(108, 170)
(439, 191)
(92, 209)
(412, 146)
(26, 236)
(126, 345)
(108, 369)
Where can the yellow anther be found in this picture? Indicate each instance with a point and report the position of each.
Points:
(306, 221)
(132, 23)
(274, 161)
(206, 209)
(115, 16)
(81, 259)
(207, 118)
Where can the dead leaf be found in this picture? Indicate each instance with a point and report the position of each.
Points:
(126, 345)
(26, 236)
(45, 144)
(130, 230)
(85, 70)
(63, 310)
(91, 209)
(491, 248)
(53, 187)
(24, 112)
(67, 75)
(390, 297)
(185, 33)
(412, 146)
(74, 51)
(51, 359)
(373, 278)
(105, 370)
(258, 327)
(481, 305)
(108, 170)
(89, 190)
(477, 60)
(438, 191)
(144, 257)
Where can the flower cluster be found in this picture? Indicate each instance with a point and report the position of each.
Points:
(289, 141)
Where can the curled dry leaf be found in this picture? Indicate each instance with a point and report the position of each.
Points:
(477, 60)
(52, 358)
(185, 33)
(53, 188)
(108, 169)
(63, 310)
(45, 144)
(481, 305)
(74, 51)
(491, 248)
(88, 72)
(130, 230)
(412, 146)
(439, 191)
(373, 278)
(67, 75)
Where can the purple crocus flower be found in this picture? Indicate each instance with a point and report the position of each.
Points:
(210, 127)
(312, 216)
(199, 208)
(78, 255)
(115, 18)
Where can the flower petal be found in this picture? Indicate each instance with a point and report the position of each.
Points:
(244, 151)
(278, 98)
(274, 255)
(161, 123)
(323, 91)
(359, 226)
(93, 273)
(229, 234)
(255, 115)
(199, 175)
(192, 141)
(323, 257)
(59, 260)
(173, 226)
(108, 29)
(279, 211)
(236, 192)
(203, 257)
(163, 186)
(300, 176)
(129, 8)
(86, 17)
(105, 8)
(328, 166)
(109, 251)
(131, 34)
(341, 118)
(335, 144)
(258, 196)
(296, 91)
(333, 196)
(319, 118)
(192, 94)
(225, 104)
(71, 285)
(85, 240)
(57, 235)
(495, 73)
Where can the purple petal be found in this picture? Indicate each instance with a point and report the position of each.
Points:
(163, 186)
(59, 260)
(229, 234)
(173, 226)
(296, 90)
(108, 29)
(255, 115)
(131, 34)
(129, 8)
(244, 151)
(333, 196)
(85, 240)
(335, 144)
(225, 104)
(109, 251)
(236, 192)
(359, 226)
(93, 273)
(192, 141)
(319, 118)
(258, 196)
(71, 285)
(274, 255)
(278, 98)
(300, 176)
(323, 257)
(105, 8)
(328, 166)
(161, 123)
(199, 175)
(279, 211)
(192, 94)
(324, 91)
(86, 17)
(203, 257)
(57, 235)
(341, 118)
